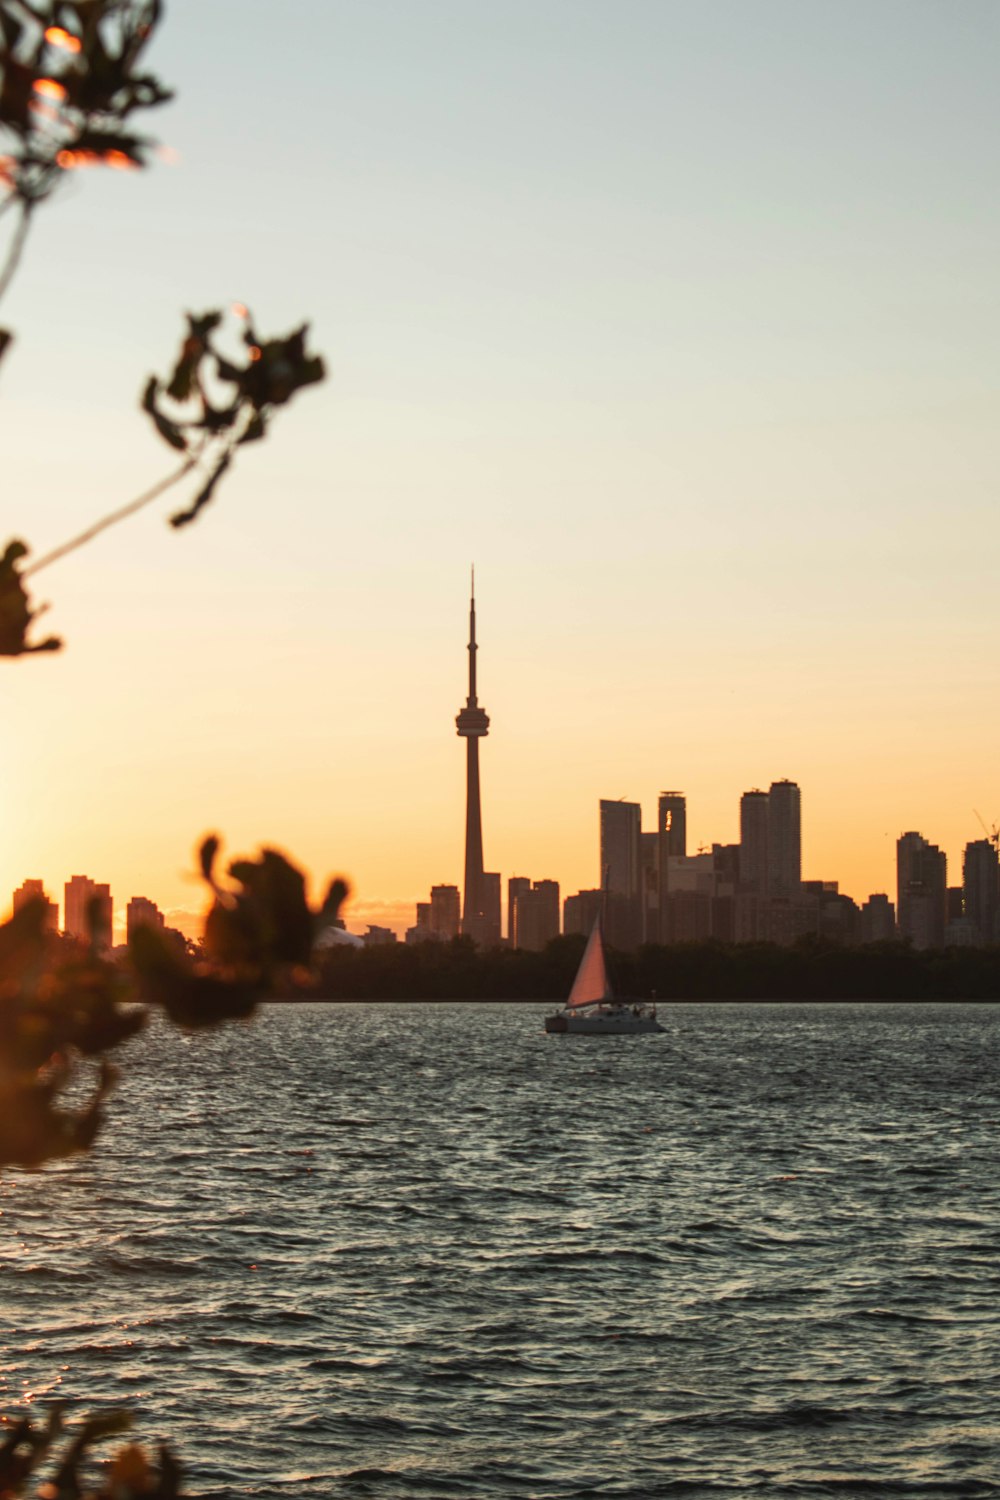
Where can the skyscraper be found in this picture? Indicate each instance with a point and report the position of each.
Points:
(473, 725)
(922, 891)
(878, 919)
(981, 882)
(621, 872)
(489, 935)
(754, 809)
(34, 890)
(87, 910)
(784, 838)
(141, 912)
(516, 886)
(580, 911)
(620, 846)
(671, 841)
(536, 916)
(671, 822)
(444, 911)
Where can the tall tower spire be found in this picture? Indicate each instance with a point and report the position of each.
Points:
(473, 725)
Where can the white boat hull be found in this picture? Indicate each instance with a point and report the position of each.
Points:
(600, 1020)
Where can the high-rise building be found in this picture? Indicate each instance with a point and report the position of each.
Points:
(536, 916)
(649, 879)
(621, 830)
(581, 911)
(687, 910)
(422, 931)
(34, 890)
(921, 891)
(784, 838)
(754, 818)
(547, 892)
(671, 843)
(141, 912)
(472, 725)
(445, 913)
(671, 822)
(726, 869)
(878, 919)
(981, 889)
(516, 886)
(490, 928)
(87, 910)
(671, 826)
(621, 845)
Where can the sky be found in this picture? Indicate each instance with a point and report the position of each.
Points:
(679, 320)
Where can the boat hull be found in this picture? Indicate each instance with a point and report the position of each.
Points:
(604, 1021)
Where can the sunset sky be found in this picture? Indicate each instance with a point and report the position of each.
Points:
(680, 320)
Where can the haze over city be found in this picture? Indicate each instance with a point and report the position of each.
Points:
(710, 400)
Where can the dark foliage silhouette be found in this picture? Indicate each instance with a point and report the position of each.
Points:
(71, 82)
(685, 971)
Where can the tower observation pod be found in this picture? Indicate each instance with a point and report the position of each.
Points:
(473, 725)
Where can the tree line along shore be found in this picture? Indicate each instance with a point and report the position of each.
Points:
(690, 971)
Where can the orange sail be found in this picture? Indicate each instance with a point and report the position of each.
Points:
(591, 984)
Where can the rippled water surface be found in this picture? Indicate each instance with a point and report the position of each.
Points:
(429, 1251)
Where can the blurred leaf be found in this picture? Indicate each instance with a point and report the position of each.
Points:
(16, 614)
(104, 143)
(274, 370)
(207, 855)
(35, 1130)
(167, 429)
(336, 895)
(191, 994)
(204, 495)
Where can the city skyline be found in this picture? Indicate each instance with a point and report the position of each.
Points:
(637, 870)
(710, 399)
(769, 839)
(653, 891)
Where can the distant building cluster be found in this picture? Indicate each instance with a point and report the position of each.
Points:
(88, 911)
(654, 891)
(650, 889)
(753, 891)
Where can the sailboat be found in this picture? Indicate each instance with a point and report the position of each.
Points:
(592, 1009)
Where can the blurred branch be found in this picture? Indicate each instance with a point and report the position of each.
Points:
(16, 247)
(111, 519)
(211, 405)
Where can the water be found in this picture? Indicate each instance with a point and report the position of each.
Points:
(428, 1251)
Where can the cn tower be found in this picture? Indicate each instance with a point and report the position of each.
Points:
(472, 724)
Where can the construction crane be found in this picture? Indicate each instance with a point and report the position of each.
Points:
(992, 834)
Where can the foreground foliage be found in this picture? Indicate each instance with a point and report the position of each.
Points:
(70, 83)
(27, 1445)
(72, 79)
(65, 1005)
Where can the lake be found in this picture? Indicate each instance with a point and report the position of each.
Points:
(428, 1251)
